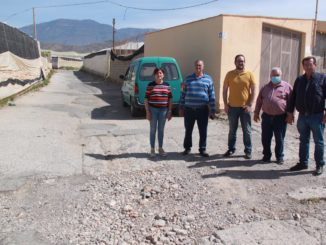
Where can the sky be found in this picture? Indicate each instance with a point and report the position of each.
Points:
(18, 13)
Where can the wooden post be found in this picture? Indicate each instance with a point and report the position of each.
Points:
(314, 36)
(34, 24)
(113, 32)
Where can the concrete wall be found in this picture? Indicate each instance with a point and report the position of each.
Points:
(66, 62)
(186, 43)
(98, 65)
(321, 26)
(250, 32)
(218, 39)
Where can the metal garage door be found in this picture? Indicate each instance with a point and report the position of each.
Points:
(320, 52)
(280, 47)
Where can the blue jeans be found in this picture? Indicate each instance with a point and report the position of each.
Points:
(245, 118)
(191, 115)
(157, 123)
(306, 124)
(273, 125)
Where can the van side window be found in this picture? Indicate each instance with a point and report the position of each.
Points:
(146, 72)
(127, 73)
(134, 72)
(171, 71)
(133, 75)
(130, 69)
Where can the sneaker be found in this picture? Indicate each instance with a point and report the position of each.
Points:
(186, 152)
(298, 167)
(161, 152)
(228, 153)
(204, 154)
(247, 156)
(266, 160)
(152, 152)
(280, 161)
(319, 170)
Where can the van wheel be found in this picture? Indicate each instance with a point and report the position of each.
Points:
(123, 102)
(133, 110)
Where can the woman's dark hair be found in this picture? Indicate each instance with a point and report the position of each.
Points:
(157, 70)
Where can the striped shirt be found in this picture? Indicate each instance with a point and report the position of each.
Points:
(158, 95)
(198, 92)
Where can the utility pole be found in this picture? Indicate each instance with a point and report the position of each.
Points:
(34, 24)
(314, 36)
(113, 32)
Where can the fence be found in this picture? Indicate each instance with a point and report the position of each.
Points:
(17, 42)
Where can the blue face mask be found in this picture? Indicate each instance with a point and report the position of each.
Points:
(276, 79)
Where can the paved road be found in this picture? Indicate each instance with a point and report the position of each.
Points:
(45, 133)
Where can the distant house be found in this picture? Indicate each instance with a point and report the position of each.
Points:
(60, 61)
(265, 41)
(103, 64)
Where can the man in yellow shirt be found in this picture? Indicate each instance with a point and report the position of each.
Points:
(238, 96)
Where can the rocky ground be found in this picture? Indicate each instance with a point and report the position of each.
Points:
(115, 194)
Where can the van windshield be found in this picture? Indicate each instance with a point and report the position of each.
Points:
(170, 69)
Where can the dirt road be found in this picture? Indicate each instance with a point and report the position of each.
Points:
(74, 169)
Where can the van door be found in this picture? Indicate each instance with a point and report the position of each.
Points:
(173, 77)
(129, 83)
(124, 88)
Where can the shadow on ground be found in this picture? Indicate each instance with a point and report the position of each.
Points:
(171, 156)
(110, 93)
(225, 163)
(256, 174)
(225, 166)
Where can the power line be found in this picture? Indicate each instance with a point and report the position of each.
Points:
(161, 9)
(17, 13)
(71, 4)
(125, 6)
(111, 2)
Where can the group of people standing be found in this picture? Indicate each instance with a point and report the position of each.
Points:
(277, 100)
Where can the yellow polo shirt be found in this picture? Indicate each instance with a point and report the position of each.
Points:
(239, 87)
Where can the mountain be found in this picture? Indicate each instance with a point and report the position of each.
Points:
(71, 33)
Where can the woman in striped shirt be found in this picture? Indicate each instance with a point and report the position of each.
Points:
(158, 107)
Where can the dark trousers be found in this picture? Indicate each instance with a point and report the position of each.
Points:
(273, 125)
(191, 115)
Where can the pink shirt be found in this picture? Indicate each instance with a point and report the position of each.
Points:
(273, 100)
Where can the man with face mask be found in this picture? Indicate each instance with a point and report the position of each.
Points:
(273, 99)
